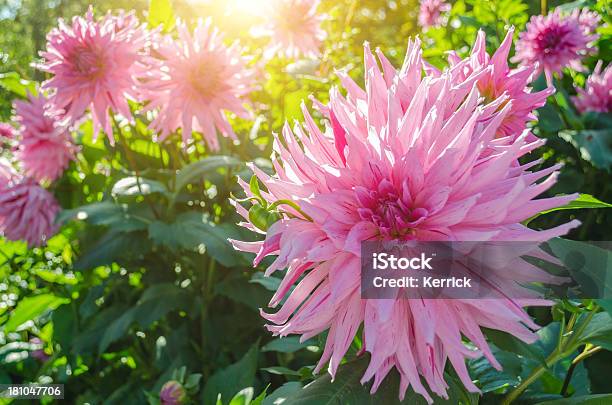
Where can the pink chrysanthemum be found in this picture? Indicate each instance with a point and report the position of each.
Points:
(27, 211)
(6, 131)
(430, 12)
(193, 81)
(409, 158)
(499, 79)
(45, 148)
(95, 65)
(597, 95)
(556, 41)
(294, 27)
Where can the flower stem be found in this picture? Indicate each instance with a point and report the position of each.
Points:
(563, 349)
(588, 351)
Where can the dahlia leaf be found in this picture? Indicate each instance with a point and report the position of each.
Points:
(582, 202)
(595, 146)
(31, 308)
(229, 381)
(195, 170)
(596, 399)
(133, 186)
(12, 82)
(599, 331)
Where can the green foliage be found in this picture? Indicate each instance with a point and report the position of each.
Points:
(141, 286)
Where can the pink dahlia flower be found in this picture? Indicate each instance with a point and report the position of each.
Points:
(597, 95)
(193, 81)
(6, 131)
(45, 147)
(27, 211)
(430, 12)
(408, 158)
(294, 27)
(556, 41)
(95, 65)
(500, 80)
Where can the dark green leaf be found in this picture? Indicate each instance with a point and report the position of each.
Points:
(200, 168)
(232, 379)
(595, 146)
(598, 399)
(288, 344)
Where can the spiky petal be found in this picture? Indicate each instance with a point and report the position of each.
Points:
(556, 41)
(45, 146)
(597, 94)
(411, 157)
(95, 65)
(194, 81)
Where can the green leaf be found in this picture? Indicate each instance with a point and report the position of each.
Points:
(597, 399)
(31, 308)
(288, 344)
(198, 169)
(243, 397)
(112, 247)
(192, 230)
(12, 82)
(587, 264)
(599, 331)
(508, 342)
(260, 398)
(154, 304)
(280, 395)
(240, 290)
(131, 186)
(232, 379)
(595, 146)
(161, 12)
(347, 389)
(583, 201)
(278, 370)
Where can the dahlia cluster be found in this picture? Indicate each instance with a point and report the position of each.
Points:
(431, 12)
(294, 28)
(597, 94)
(417, 154)
(556, 41)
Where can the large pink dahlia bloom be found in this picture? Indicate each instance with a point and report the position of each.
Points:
(430, 12)
(411, 157)
(192, 82)
(27, 211)
(45, 147)
(597, 95)
(294, 27)
(499, 79)
(556, 41)
(95, 65)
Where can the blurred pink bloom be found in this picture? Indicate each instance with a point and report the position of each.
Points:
(27, 211)
(95, 65)
(39, 353)
(499, 79)
(45, 148)
(430, 12)
(597, 95)
(6, 131)
(193, 80)
(294, 27)
(408, 158)
(556, 41)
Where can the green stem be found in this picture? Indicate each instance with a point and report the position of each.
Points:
(588, 351)
(543, 7)
(292, 205)
(564, 349)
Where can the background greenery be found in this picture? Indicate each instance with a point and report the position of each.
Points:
(141, 287)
